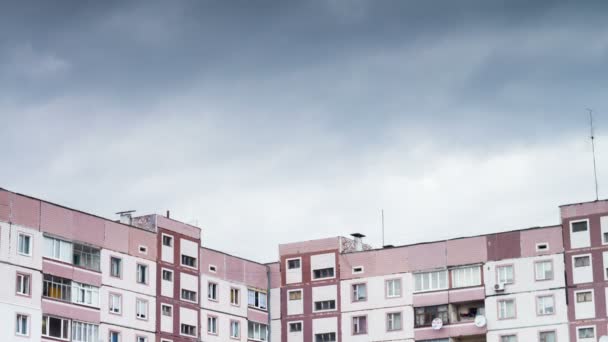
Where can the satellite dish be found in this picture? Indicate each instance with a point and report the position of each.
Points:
(437, 323)
(604, 338)
(480, 322)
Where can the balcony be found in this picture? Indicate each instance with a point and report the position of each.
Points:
(458, 322)
(66, 290)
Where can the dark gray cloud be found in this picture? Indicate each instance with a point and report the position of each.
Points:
(302, 119)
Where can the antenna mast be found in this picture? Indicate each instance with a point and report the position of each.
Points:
(382, 212)
(593, 151)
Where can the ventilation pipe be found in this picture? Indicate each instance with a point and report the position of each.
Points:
(358, 241)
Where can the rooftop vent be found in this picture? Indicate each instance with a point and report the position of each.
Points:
(126, 217)
(358, 241)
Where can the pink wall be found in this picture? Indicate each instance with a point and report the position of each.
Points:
(426, 256)
(178, 227)
(551, 235)
(375, 263)
(79, 313)
(467, 251)
(235, 269)
(257, 316)
(310, 246)
(275, 275)
(71, 272)
(584, 209)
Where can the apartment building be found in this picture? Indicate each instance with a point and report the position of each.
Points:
(74, 276)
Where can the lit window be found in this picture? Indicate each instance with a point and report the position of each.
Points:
(295, 295)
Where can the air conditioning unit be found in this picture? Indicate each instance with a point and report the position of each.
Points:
(500, 287)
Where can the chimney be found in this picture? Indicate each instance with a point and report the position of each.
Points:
(168, 214)
(125, 216)
(358, 241)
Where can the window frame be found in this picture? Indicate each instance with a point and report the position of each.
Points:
(63, 320)
(216, 291)
(540, 332)
(431, 288)
(301, 323)
(498, 302)
(146, 304)
(453, 273)
(238, 323)
(497, 271)
(171, 239)
(586, 327)
(387, 290)
(235, 292)
(333, 272)
(388, 320)
(181, 295)
(354, 292)
(314, 305)
(169, 271)
(170, 306)
(110, 303)
(217, 321)
(147, 273)
(181, 261)
(538, 300)
(28, 323)
(30, 243)
(113, 257)
(352, 325)
(536, 263)
(289, 292)
(287, 266)
(23, 276)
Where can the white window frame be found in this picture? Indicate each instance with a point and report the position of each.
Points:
(212, 322)
(212, 291)
(547, 248)
(390, 321)
(23, 287)
(257, 295)
(112, 302)
(181, 295)
(88, 291)
(181, 261)
(112, 257)
(257, 330)
(294, 268)
(144, 304)
(145, 270)
(235, 293)
(93, 330)
(393, 288)
(234, 329)
(162, 274)
(183, 334)
(586, 327)
(541, 308)
(468, 273)
(63, 320)
(499, 275)
(312, 272)
(19, 317)
(314, 305)
(588, 232)
(500, 308)
(356, 290)
(30, 244)
(358, 270)
(295, 322)
(429, 274)
(170, 309)
(539, 262)
(171, 240)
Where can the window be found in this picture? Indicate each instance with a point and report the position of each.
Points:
(84, 332)
(393, 288)
(212, 268)
(22, 325)
(543, 270)
(424, 316)
(235, 296)
(142, 274)
(505, 274)
(325, 305)
(235, 329)
(325, 337)
(212, 325)
(323, 273)
(393, 321)
(506, 309)
(167, 275)
(580, 226)
(58, 249)
(586, 332)
(508, 338)
(57, 288)
(114, 336)
(582, 261)
(545, 305)
(547, 336)
(293, 264)
(143, 249)
(188, 295)
(85, 294)
(167, 240)
(86, 256)
(295, 295)
(23, 284)
(25, 244)
(357, 269)
(167, 310)
(466, 276)
(257, 331)
(257, 299)
(115, 305)
(605, 237)
(142, 339)
(141, 309)
(359, 292)
(115, 267)
(212, 291)
(295, 326)
(56, 327)
(541, 247)
(359, 325)
(188, 261)
(583, 297)
(429, 281)
(187, 329)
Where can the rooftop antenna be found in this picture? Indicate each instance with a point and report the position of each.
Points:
(382, 213)
(593, 151)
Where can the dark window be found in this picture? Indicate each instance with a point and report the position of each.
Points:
(167, 241)
(579, 226)
(86, 256)
(295, 327)
(188, 261)
(325, 305)
(327, 337)
(323, 273)
(293, 263)
(426, 315)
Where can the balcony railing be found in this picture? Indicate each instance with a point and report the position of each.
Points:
(71, 292)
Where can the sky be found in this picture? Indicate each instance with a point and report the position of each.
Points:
(268, 122)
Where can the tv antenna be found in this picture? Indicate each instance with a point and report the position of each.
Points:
(382, 214)
(593, 151)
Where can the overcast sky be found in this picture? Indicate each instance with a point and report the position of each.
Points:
(267, 122)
